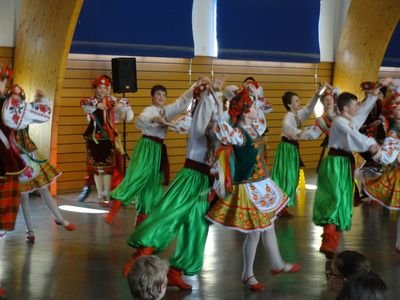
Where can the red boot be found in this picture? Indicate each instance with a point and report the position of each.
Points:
(140, 218)
(175, 279)
(114, 209)
(330, 241)
(139, 252)
(284, 213)
(2, 293)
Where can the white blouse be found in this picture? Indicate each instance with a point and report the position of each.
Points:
(292, 121)
(144, 123)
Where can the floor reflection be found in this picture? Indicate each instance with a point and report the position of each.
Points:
(86, 263)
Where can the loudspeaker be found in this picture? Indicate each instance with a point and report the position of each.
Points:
(124, 74)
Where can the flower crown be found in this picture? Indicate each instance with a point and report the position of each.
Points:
(101, 80)
(16, 90)
(198, 90)
(239, 104)
(367, 85)
(390, 104)
(6, 72)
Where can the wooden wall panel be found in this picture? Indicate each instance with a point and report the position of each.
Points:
(365, 35)
(276, 78)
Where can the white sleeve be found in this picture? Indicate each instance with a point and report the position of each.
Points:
(356, 141)
(260, 124)
(144, 119)
(311, 133)
(306, 111)
(182, 125)
(89, 105)
(390, 149)
(289, 125)
(364, 110)
(180, 105)
(227, 134)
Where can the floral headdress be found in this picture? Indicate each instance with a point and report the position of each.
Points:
(330, 92)
(105, 80)
(367, 85)
(6, 72)
(239, 104)
(198, 90)
(253, 82)
(16, 90)
(390, 104)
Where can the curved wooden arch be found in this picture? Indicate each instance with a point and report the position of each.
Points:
(367, 31)
(43, 41)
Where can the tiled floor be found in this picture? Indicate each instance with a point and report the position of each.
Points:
(86, 263)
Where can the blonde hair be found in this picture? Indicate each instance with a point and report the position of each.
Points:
(147, 276)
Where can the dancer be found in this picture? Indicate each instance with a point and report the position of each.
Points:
(149, 169)
(15, 114)
(287, 161)
(118, 174)
(385, 189)
(255, 201)
(40, 173)
(324, 122)
(334, 197)
(374, 126)
(183, 206)
(102, 139)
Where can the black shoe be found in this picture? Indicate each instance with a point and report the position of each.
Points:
(84, 194)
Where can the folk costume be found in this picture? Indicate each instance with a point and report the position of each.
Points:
(322, 125)
(256, 200)
(39, 173)
(15, 114)
(183, 206)
(333, 201)
(101, 137)
(385, 189)
(287, 161)
(148, 168)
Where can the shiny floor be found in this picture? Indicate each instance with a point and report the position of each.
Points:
(86, 263)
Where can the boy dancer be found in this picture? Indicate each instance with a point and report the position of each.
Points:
(148, 169)
(334, 196)
(184, 204)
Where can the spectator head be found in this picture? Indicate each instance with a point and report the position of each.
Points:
(147, 279)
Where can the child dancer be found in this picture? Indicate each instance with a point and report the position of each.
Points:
(101, 137)
(39, 174)
(385, 189)
(287, 161)
(15, 114)
(149, 169)
(324, 122)
(255, 200)
(184, 204)
(334, 197)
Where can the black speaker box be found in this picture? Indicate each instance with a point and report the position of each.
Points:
(124, 74)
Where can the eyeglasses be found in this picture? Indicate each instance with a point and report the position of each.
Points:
(329, 274)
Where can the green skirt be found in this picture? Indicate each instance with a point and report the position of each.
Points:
(142, 182)
(333, 202)
(181, 215)
(285, 170)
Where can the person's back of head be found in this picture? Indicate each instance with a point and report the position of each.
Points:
(351, 263)
(147, 279)
(365, 286)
